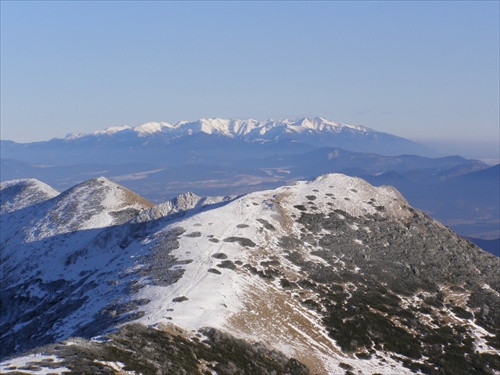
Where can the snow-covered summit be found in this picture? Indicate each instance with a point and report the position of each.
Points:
(17, 194)
(321, 124)
(152, 127)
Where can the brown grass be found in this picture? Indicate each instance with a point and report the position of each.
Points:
(131, 198)
(265, 306)
(285, 220)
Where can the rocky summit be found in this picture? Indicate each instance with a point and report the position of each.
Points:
(329, 276)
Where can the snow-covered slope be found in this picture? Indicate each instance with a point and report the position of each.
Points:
(247, 232)
(97, 203)
(333, 272)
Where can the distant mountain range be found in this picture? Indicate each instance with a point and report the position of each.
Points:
(212, 141)
(329, 276)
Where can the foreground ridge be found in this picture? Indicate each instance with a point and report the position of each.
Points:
(335, 273)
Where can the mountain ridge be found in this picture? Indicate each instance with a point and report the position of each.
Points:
(227, 127)
(91, 204)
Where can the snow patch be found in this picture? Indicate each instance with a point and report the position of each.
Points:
(33, 364)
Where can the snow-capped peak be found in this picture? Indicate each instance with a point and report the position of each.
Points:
(112, 130)
(321, 124)
(152, 127)
(108, 131)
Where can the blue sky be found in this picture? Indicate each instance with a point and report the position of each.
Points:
(424, 70)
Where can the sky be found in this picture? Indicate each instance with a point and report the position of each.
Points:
(424, 70)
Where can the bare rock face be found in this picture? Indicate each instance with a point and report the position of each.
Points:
(327, 276)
